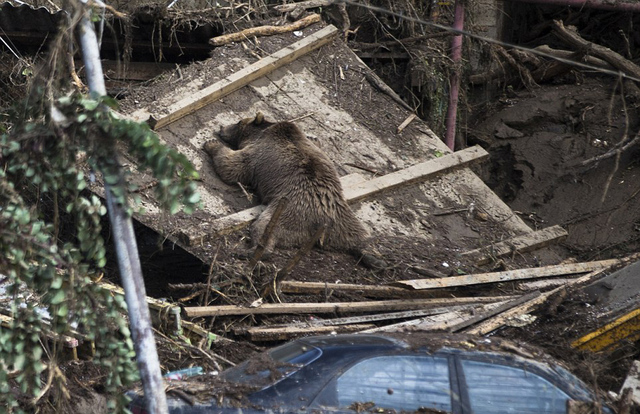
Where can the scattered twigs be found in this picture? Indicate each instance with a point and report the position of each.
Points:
(379, 84)
(264, 31)
(363, 168)
(405, 41)
(210, 356)
(617, 149)
(210, 277)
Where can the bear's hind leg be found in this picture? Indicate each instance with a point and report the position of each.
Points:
(264, 231)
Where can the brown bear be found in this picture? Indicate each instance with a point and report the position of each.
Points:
(277, 161)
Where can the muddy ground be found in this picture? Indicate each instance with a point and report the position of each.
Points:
(544, 142)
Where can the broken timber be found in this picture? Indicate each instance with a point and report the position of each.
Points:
(372, 291)
(284, 333)
(237, 80)
(164, 310)
(508, 275)
(521, 244)
(345, 307)
(279, 332)
(353, 193)
(438, 322)
(494, 323)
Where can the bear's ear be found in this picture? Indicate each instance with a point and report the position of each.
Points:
(259, 118)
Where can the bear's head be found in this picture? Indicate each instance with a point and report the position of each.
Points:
(239, 135)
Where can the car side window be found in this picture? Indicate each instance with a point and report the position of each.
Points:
(395, 382)
(502, 389)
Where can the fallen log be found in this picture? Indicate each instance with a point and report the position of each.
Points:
(568, 54)
(616, 60)
(510, 275)
(264, 31)
(337, 307)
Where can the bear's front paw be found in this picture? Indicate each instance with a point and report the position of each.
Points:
(212, 146)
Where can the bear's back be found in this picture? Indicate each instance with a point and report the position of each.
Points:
(287, 163)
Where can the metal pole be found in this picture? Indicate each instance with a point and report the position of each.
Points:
(454, 88)
(127, 250)
(595, 4)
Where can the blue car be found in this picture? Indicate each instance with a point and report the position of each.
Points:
(410, 372)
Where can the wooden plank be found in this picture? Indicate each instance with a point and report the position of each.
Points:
(625, 328)
(542, 284)
(521, 244)
(239, 79)
(508, 275)
(352, 320)
(374, 291)
(418, 172)
(337, 307)
(284, 333)
(496, 322)
(488, 314)
(439, 322)
(352, 193)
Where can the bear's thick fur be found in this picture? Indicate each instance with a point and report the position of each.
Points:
(278, 162)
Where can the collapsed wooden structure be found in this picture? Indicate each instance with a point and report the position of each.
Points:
(426, 304)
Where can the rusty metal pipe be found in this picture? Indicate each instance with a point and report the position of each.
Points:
(454, 80)
(593, 4)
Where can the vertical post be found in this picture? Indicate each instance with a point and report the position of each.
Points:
(127, 250)
(454, 87)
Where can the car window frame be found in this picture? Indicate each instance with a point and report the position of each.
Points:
(506, 360)
(456, 404)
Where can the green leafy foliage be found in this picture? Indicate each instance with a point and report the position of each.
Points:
(41, 179)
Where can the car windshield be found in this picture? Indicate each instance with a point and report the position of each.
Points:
(272, 366)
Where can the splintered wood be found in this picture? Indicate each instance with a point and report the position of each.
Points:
(477, 315)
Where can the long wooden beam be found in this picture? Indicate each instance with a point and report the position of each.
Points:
(418, 172)
(494, 323)
(352, 193)
(237, 80)
(337, 307)
(371, 291)
(438, 322)
(509, 275)
(525, 243)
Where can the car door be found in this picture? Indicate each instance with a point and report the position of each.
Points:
(490, 386)
(406, 382)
